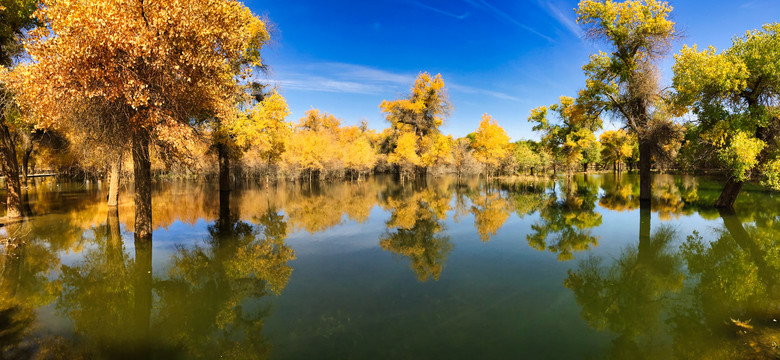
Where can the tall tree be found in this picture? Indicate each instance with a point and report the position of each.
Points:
(734, 96)
(569, 136)
(263, 129)
(420, 114)
(491, 143)
(15, 21)
(616, 147)
(156, 65)
(624, 82)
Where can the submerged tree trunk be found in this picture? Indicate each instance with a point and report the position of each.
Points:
(729, 194)
(113, 181)
(645, 215)
(11, 171)
(645, 183)
(26, 163)
(224, 168)
(142, 175)
(142, 301)
(114, 238)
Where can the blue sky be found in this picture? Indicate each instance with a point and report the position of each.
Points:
(496, 56)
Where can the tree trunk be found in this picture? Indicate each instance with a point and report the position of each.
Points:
(645, 183)
(114, 238)
(142, 176)
(585, 167)
(25, 163)
(113, 181)
(11, 172)
(729, 194)
(224, 168)
(645, 215)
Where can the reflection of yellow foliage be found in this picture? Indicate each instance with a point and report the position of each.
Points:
(490, 212)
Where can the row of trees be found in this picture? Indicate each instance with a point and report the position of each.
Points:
(167, 86)
(732, 96)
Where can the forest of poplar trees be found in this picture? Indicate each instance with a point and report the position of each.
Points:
(131, 90)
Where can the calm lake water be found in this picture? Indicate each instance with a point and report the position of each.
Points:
(516, 269)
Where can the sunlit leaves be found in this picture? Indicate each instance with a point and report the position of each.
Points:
(491, 143)
(415, 120)
(569, 136)
(146, 62)
(733, 94)
(405, 153)
(617, 146)
(263, 128)
(638, 24)
(741, 154)
(424, 109)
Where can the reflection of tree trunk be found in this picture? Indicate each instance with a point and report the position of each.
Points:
(12, 265)
(11, 172)
(645, 215)
(26, 204)
(729, 194)
(143, 294)
(224, 167)
(224, 206)
(26, 162)
(113, 181)
(142, 174)
(114, 237)
(754, 251)
(645, 185)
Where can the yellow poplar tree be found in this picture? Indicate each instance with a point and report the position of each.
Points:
(491, 143)
(405, 154)
(420, 114)
(617, 147)
(623, 81)
(155, 64)
(264, 128)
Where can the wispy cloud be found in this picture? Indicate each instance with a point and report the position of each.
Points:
(484, 5)
(440, 11)
(358, 79)
(341, 78)
(473, 90)
(568, 22)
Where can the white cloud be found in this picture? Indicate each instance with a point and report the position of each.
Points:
(484, 5)
(568, 22)
(440, 11)
(358, 79)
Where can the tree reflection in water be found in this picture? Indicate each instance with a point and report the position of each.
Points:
(416, 228)
(629, 296)
(715, 297)
(714, 300)
(565, 223)
(206, 308)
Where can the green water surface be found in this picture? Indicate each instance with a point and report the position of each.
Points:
(520, 268)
